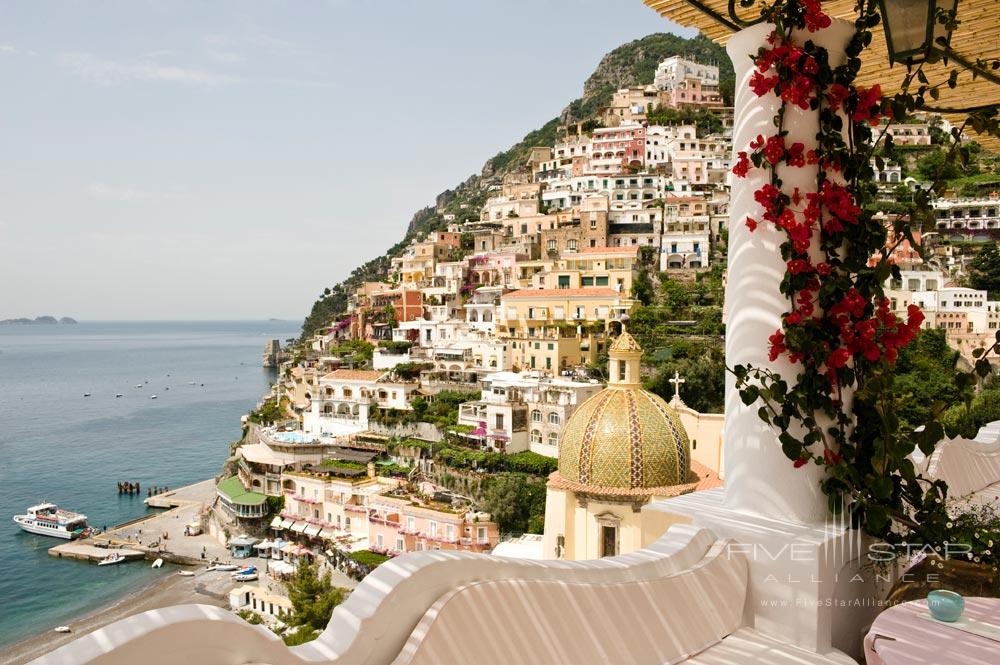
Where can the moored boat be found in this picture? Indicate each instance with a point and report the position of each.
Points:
(186, 573)
(47, 519)
(226, 566)
(245, 577)
(157, 563)
(111, 559)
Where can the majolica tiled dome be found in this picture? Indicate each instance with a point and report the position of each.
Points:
(624, 437)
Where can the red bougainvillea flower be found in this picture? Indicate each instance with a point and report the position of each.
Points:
(774, 149)
(869, 106)
(799, 266)
(838, 358)
(798, 91)
(777, 341)
(830, 457)
(795, 155)
(814, 17)
(757, 142)
(836, 94)
(824, 269)
(800, 462)
(793, 319)
(761, 85)
(742, 165)
(751, 224)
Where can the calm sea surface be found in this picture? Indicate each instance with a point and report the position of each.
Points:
(56, 445)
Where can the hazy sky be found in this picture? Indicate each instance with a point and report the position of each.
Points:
(207, 160)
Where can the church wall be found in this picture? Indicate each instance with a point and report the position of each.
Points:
(558, 522)
(706, 430)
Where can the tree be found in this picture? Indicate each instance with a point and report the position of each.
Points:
(516, 502)
(925, 378)
(313, 598)
(935, 165)
(704, 381)
(984, 270)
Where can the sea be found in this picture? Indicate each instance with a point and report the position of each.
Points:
(57, 445)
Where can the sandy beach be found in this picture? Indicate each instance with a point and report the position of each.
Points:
(207, 588)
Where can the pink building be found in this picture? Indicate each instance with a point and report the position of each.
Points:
(693, 93)
(617, 149)
(401, 522)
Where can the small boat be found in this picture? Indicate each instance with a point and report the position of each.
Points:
(245, 577)
(62, 629)
(186, 573)
(86, 394)
(138, 385)
(226, 566)
(152, 397)
(117, 395)
(157, 563)
(191, 383)
(111, 559)
(249, 570)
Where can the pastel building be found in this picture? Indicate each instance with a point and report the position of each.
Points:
(403, 521)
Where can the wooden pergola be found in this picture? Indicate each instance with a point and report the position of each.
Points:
(978, 36)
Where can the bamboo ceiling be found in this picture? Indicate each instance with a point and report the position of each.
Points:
(977, 36)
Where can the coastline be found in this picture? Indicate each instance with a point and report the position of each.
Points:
(173, 589)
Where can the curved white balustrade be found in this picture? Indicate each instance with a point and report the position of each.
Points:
(971, 467)
(377, 620)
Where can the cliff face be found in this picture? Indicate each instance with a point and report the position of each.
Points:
(633, 63)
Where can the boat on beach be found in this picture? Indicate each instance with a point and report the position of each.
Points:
(62, 629)
(224, 567)
(245, 577)
(246, 570)
(111, 559)
(157, 563)
(186, 573)
(47, 519)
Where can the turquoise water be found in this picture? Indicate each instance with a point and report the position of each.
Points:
(57, 445)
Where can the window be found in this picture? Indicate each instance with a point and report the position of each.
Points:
(572, 245)
(593, 223)
(400, 547)
(554, 419)
(347, 523)
(499, 418)
(551, 245)
(602, 281)
(481, 534)
(553, 439)
(411, 524)
(536, 416)
(434, 529)
(338, 521)
(450, 532)
(378, 540)
(563, 281)
(536, 436)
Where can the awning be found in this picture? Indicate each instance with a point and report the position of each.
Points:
(290, 548)
(276, 522)
(299, 527)
(263, 545)
(285, 523)
(327, 534)
(312, 530)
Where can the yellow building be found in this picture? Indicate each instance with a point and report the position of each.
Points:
(555, 329)
(621, 449)
(611, 267)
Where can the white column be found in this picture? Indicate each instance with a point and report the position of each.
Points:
(759, 478)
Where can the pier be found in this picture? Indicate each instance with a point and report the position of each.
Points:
(159, 535)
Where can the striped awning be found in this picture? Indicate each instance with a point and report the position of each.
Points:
(311, 530)
(299, 527)
(286, 523)
(327, 534)
(276, 522)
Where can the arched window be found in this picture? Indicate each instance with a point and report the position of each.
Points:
(536, 416)
(553, 418)
(553, 439)
(536, 436)
(348, 392)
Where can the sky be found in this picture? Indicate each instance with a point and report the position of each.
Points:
(171, 159)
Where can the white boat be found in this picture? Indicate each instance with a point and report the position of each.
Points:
(111, 559)
(47, 519)
(226, 566)
(248, 570)
(245, 577)
(186, 573)
(157, 563)
(118, 395)
(86, 394)
(138, 385)
(152, 397)
(62, 629)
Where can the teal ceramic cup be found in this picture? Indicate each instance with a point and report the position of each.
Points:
(945, 605)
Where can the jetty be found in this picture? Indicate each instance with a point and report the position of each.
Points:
(86, 551)
(159, 534)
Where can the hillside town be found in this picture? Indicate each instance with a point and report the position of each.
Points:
(499, 341)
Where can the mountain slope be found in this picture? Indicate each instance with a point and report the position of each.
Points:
(631, 64)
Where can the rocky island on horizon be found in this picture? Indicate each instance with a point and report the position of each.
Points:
(37, 321)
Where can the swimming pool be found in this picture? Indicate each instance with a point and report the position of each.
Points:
(292, 437)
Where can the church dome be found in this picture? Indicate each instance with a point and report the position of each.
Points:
(624, 437)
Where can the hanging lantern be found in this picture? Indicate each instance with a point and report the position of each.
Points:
(913, 30)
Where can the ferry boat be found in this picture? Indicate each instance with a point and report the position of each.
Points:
(47, 519)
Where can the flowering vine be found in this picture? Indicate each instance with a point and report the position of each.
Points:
(839, 332)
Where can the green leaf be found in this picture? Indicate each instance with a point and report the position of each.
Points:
(749, 395)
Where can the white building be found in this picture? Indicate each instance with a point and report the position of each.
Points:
(968, 217)
(676, 69)
(346, 396)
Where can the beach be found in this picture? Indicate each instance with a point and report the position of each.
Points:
(207, 588)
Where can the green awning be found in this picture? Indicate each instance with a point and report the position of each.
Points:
(233, 490)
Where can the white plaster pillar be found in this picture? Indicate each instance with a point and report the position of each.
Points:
(759, 478)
